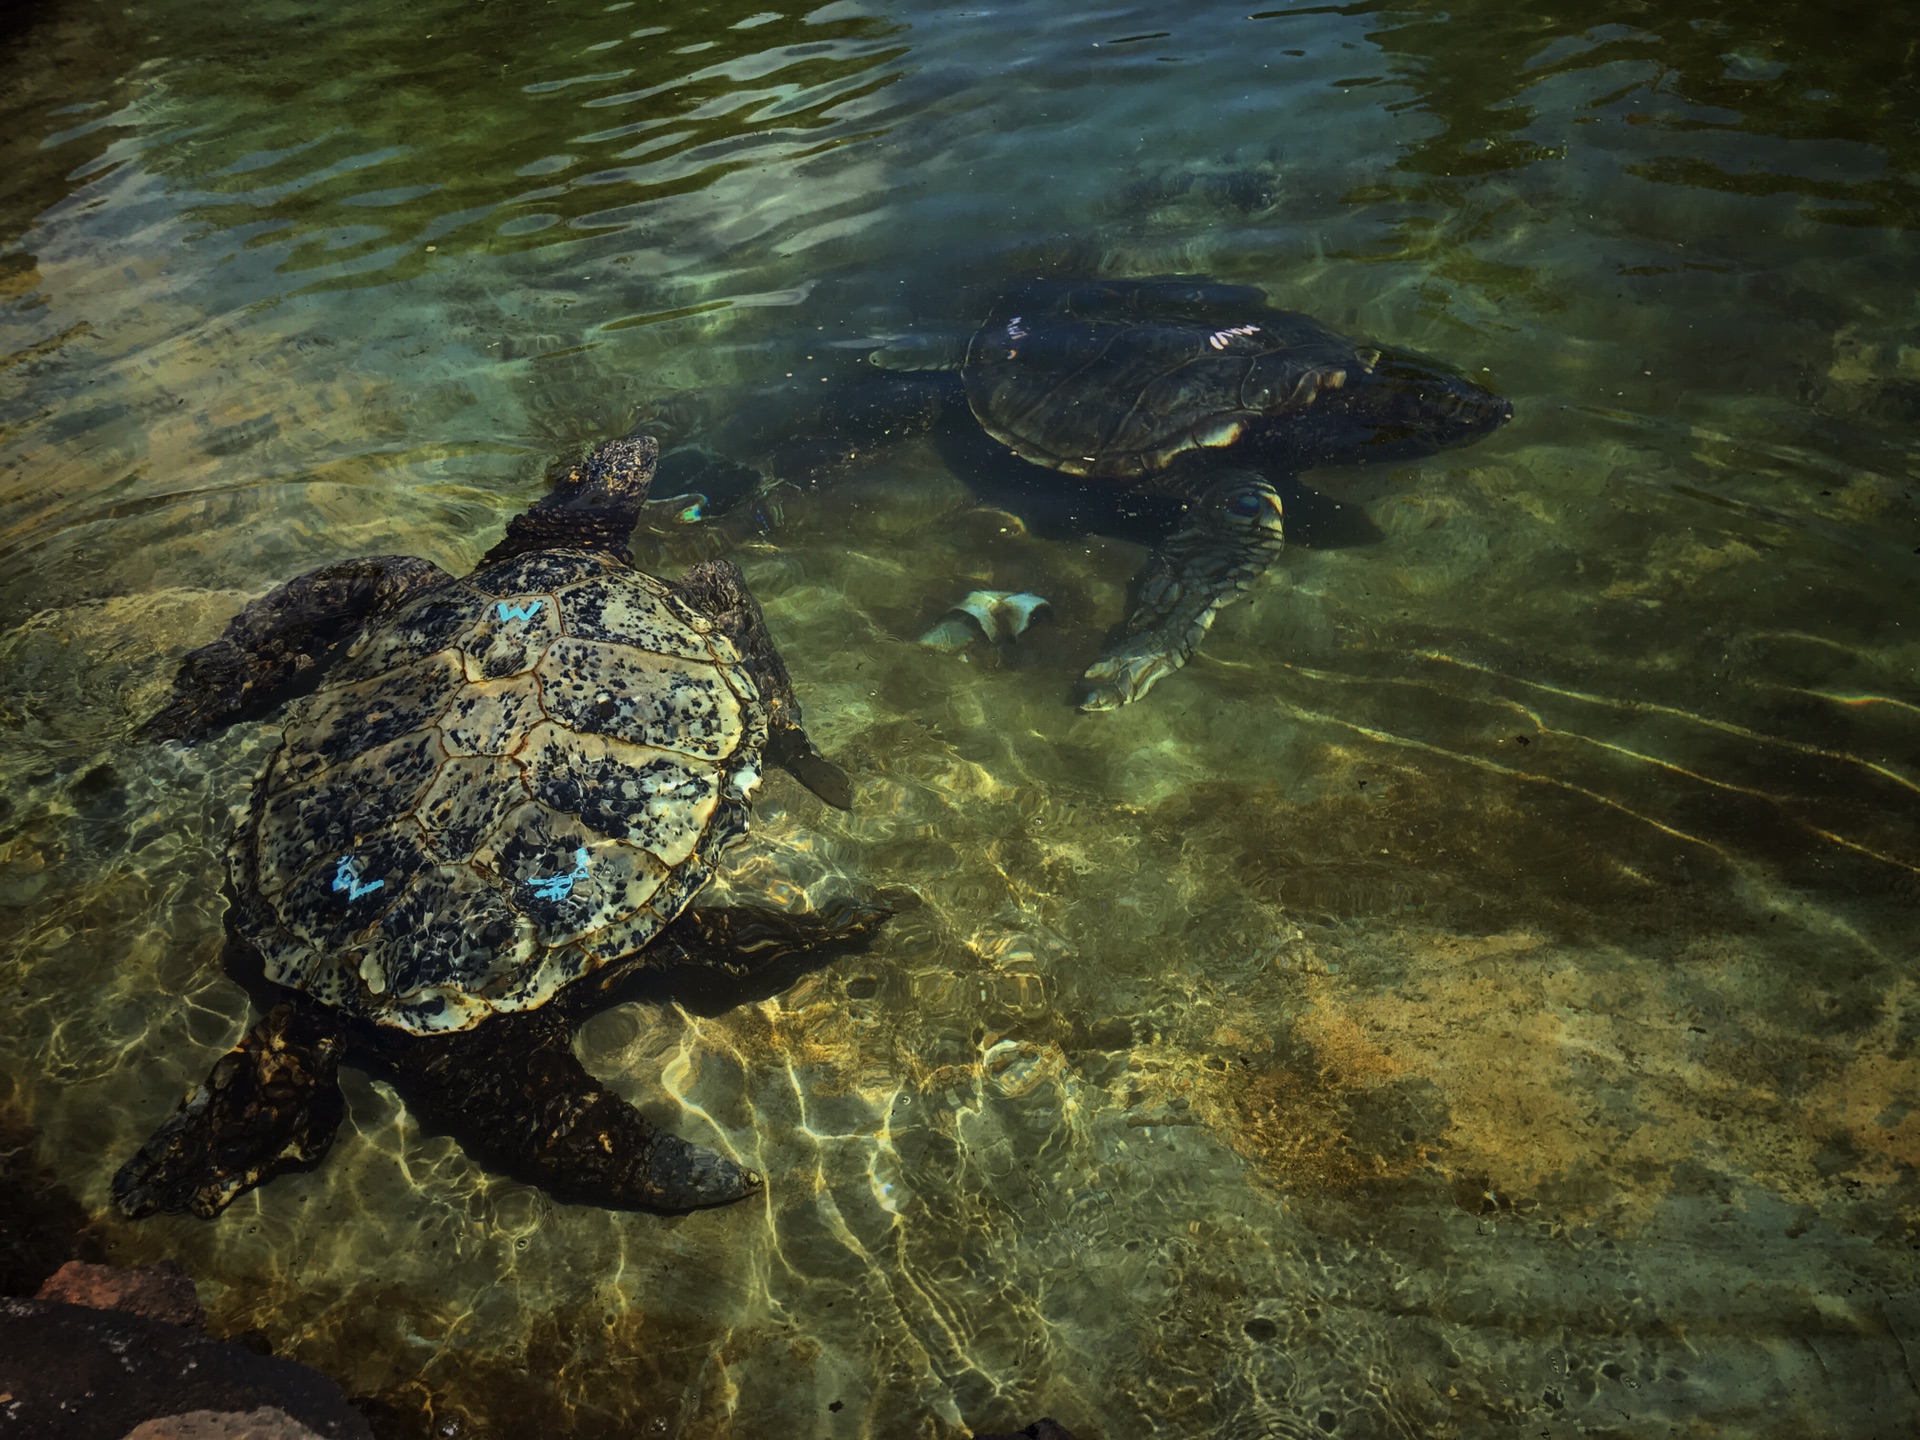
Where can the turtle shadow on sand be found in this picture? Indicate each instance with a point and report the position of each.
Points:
(488, 818)
(1175, 412)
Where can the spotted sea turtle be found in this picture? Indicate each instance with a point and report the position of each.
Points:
(487, 814)
(1172, 410)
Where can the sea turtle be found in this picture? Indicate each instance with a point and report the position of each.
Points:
(488, 812)
(1172, 409)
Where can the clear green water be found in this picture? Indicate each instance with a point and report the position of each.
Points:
(1476, 998)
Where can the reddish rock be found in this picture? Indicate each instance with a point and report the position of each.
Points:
(159, 1292)
(266, 1423)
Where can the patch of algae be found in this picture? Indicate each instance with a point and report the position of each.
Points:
(1526, 1072)
(1864, 1104)
(1310, 1123)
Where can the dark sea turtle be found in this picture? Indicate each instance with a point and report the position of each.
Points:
(1173, 410)
(489, 812)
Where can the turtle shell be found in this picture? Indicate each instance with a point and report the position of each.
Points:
(513, 781)
(1116, 379)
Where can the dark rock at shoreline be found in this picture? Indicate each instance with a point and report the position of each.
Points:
(74, 1373)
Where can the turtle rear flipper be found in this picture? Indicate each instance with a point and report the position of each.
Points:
(269, 1106)
(1234, 533)
(519, 1101)
(279, 645)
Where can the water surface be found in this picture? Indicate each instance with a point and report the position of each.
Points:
(1476, 996)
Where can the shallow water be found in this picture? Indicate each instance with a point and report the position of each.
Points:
(1476, 996)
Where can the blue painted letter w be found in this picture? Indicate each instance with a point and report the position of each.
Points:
(347, 877)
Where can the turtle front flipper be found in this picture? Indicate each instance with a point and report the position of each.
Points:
(1233, 534)
(268, 1106)
(717, 589)
(278, 646)
(519, 1101)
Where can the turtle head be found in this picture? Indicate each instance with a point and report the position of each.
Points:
(1400, 406)
(1406, 406)
(617, 474)
(593, 505)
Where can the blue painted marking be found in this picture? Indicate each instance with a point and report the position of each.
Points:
(518, 612)
(558, 887)
(346, 876)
